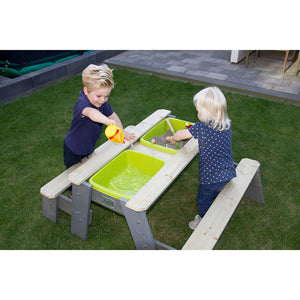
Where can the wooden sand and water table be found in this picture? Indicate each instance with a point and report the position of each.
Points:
(139, 172)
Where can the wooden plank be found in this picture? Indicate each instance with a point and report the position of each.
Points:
(61, 182)
(150, 192)
(65, 204)
(152, 152)
(207, 233)
(58, 184)
(109, 150)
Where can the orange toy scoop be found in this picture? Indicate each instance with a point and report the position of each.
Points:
(114, 134)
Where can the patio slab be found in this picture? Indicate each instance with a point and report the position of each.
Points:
(263, 77)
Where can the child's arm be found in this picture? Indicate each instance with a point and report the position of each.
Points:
(96, 116)
(127, 135)
(117, 120)
(178, 136)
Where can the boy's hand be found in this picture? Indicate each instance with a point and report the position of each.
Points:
(111, 122)
(129, 136)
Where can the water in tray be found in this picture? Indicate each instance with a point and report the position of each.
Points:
(129, 181)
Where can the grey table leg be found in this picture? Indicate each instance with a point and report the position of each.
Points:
(139, 228)
(81, 213)
(255, 189)
(50, 208)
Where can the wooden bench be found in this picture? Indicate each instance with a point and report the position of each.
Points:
(60, 183)
(209, 230)
(52, 198)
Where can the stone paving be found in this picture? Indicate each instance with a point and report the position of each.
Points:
(262, 77)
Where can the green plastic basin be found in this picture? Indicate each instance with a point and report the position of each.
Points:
(160, 129)
(126, 174)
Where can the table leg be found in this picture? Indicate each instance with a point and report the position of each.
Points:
(297, 64)
(50, 208)
(139, 228)
(81, 213)
(255, 189)
(285, 60)
(247, 58)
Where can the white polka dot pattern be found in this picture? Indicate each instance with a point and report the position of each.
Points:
(215, 155)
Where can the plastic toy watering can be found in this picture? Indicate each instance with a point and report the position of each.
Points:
(114, 134)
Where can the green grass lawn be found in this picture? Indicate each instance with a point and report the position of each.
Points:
(32, 131)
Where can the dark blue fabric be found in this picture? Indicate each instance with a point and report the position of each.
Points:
(206, 194)
(84, 133)
(71, 158)
(215, 157)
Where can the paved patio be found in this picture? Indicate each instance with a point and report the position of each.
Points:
(263, 76)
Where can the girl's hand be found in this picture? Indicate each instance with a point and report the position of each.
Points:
(170, 139)
(129, 136)
(180, 135)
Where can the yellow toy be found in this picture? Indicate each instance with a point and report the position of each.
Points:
(114, 134)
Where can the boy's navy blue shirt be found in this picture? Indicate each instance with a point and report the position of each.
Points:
(215, 156)
(84, 133)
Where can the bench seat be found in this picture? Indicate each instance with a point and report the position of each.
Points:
(209, 230)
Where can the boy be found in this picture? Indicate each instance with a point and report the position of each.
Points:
(90, 112)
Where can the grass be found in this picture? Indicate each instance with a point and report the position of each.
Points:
(32, 130)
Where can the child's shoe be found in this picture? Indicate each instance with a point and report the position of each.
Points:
(195, 223)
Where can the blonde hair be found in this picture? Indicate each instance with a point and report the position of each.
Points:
(212, 107)
(95, 77)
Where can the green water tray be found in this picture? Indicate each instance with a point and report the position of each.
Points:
(126, 174)
(160, 129)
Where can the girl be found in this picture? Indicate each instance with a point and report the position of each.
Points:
(213, 131)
